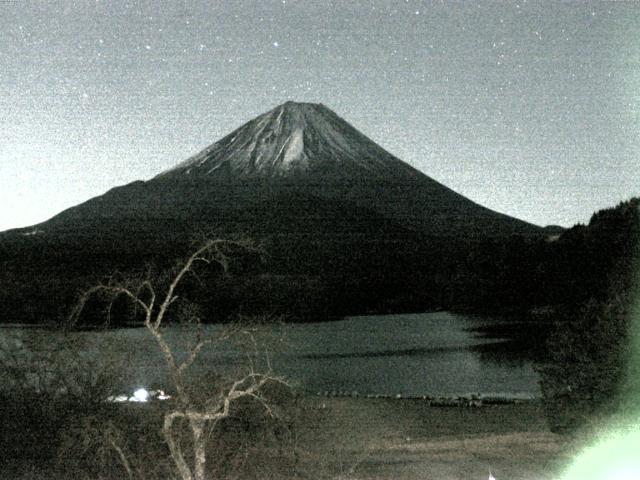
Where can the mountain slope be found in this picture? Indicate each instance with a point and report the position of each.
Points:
(297, 149)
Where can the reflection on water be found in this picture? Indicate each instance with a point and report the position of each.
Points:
(408, 352)
(412, 355)
(437, 354)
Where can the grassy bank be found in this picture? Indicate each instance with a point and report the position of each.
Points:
(346, 438)
(383, 438)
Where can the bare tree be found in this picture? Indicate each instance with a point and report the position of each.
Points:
(198, 415)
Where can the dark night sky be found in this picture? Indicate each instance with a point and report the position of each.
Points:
(529, 108)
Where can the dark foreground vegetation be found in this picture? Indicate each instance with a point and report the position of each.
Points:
(59, 411)
(62, 438)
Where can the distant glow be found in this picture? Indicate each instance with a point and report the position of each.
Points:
(140, 395)
(614, 459)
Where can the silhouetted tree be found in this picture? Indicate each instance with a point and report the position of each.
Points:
(200, 412)
(588, 345)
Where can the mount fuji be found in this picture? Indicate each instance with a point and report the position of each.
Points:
(296, 152)
(347, 226)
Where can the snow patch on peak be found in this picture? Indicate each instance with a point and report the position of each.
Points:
(294, 148)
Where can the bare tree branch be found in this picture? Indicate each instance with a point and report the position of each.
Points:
(114, 292)
(144, 296)
(174, 447)
(193, 354)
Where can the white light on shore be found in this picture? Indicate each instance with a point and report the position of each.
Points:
(140, 395)
(162, 396)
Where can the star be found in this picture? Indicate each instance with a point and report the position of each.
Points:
(276, 44)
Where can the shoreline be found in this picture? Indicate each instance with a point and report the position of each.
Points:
(382, 438)
(464, 400)
(358, 438)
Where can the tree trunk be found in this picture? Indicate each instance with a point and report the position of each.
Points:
(199, 452)
(175, 450)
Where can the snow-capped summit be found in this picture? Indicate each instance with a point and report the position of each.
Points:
(295, 162)
(290, 140)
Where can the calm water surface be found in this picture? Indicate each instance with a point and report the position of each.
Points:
(409, 354)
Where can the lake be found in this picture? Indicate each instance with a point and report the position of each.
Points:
(433, 354)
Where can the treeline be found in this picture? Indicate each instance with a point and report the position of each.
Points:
(584, 378)
(580, 286)
(316, 269)
(305, 275)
